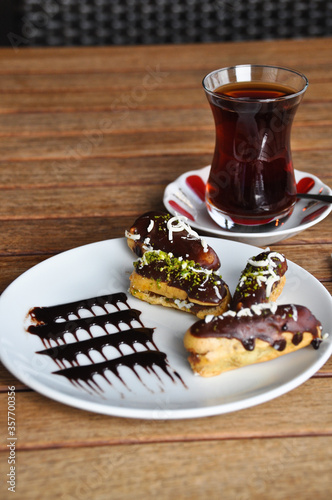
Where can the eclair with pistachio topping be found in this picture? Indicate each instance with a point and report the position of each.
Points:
(161, 278)
(261, 281)
(251, 335)
(161, 231)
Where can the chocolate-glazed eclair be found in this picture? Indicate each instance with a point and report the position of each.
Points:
(262, 280)
(161, 231)
(160, 278)
(261, 333)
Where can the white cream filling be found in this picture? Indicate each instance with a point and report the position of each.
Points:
(183, 304)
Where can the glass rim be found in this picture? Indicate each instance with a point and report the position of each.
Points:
(243, 99)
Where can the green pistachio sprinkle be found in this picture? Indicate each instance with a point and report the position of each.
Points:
(179, 268)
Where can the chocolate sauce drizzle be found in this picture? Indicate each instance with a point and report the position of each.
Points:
(56, 331)
(50, 314)
(51, 324)
(69, 352)
(146, 359)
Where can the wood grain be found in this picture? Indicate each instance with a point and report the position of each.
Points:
(292, 412)
(257, 469)
(314, 52)
(95, 171)
(89, 139)
(136, 98)
(110, 78)
(131, 120)
(96, 144)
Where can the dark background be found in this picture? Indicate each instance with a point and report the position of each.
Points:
(135, 22)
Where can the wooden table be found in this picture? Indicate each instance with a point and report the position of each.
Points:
(90, 137)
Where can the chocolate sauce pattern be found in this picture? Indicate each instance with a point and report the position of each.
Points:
(52, 323)
(63, 311)
(56, 331)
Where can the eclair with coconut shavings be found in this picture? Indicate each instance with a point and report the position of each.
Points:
(161, 231)
(261, 281)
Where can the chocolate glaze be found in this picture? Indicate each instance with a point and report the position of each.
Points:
(146, 359)
(69, 352)
(50, 329)
(266, 326)
(181, 245)
(49, 314)
(251, 291)
(205, 288)
(56, 331)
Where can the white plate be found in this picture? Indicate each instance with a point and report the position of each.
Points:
(103, 268)
(181, 199)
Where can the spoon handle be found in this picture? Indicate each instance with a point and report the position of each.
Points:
(319, 197)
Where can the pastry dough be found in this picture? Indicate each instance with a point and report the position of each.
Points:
(160, 278)
(261, 333)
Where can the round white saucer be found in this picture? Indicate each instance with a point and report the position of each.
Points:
(185, 196)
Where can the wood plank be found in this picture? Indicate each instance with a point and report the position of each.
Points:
(289, 415)
(321, 233)
(316, 259)
(133, 120)
(326, 370)
(171, 57)
(316, 162)
(105, 81)
(101, 171)
(96, 144)
(256, 469)
(75, 148)
(124, 200)
(136, 98)
(47, 236)
(12, 267)
(113, 78)
(8, 380)
(62, 124)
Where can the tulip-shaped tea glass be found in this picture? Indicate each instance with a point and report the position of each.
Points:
(251, 185)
